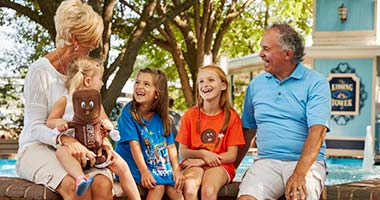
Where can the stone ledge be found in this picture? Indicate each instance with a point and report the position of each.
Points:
(16, 188)
(368, 189)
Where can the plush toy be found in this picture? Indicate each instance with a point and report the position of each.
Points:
(87, 123)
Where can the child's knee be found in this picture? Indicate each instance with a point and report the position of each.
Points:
(62, 151)
(191, 187)
(208, 192)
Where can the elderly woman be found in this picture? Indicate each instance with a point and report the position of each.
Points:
(79, 30)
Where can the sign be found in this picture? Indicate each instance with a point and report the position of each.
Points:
(345, 94)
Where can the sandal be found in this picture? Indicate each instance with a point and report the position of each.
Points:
(83, 186)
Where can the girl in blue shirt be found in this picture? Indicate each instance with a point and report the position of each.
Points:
(146, 141)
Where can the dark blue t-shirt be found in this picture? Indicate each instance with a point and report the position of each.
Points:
(153, 146)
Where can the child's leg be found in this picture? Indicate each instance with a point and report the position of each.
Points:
(74, 169)
(213, 179)
(120, 167)
(172, 193)
(71, 165)
(193, 178)
(156, 193)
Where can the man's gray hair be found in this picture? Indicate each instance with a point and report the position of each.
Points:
(290, 40)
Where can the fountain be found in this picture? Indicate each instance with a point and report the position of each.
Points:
(368, 155)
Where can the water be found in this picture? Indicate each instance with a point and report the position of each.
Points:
(368, 158)
(340, 170)
(8, 168)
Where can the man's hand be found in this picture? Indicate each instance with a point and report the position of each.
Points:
(296, 187)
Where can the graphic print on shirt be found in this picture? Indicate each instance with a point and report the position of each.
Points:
(208, 138)
(156, 152)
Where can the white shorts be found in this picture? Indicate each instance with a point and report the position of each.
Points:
(39, 164)
(266, 179)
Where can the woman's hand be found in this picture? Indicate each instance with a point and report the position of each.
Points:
(212, 159)
(107, 147)
(147, 180)
(78, 151)
(179, 180)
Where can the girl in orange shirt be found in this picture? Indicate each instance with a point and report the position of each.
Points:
(209, 136)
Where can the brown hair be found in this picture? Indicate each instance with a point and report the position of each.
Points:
(161, 104)
(224, 101)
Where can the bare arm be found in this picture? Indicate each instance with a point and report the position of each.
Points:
(147, 180)
(212, 159)
(249, 134)
(309, 153)
(230, 155)
(173, 155)
(177, 175)
(55, 117)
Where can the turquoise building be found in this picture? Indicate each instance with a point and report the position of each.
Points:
(346, 49)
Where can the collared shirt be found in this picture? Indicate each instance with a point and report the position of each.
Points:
(283, 111)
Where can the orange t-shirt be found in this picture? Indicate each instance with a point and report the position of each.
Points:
(209, 137)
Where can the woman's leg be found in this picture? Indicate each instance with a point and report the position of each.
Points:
(156, 193)
(193, 178)
(120, 167)
(39, 164)
(213, 179)
(67, 189)
(173, 194)
(101, 188)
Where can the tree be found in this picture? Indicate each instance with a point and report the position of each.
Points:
(194, 33)
(132, 30)
(11, 109)
(186, 30)
(245, 36)
(219, 27)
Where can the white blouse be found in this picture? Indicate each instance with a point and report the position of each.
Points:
(44, 85)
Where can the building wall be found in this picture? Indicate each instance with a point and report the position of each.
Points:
(359, 18)
(356, 127)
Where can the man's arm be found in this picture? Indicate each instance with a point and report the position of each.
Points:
(309, 153)
(249, 134)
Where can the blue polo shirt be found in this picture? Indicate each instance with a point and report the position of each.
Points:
(283, 111)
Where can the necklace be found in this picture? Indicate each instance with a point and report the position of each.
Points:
(63, 71)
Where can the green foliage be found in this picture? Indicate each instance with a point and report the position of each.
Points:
(238, 94)
(12, 106)
(244, 36)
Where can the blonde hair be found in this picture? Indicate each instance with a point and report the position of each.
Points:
(224, 101)
(79, 69)
(161, 104)
(75, 19)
